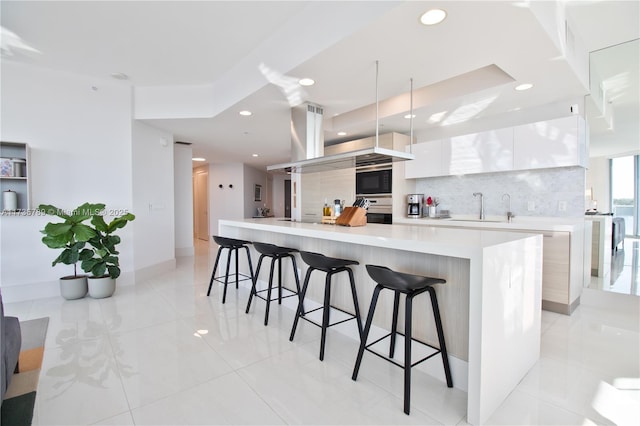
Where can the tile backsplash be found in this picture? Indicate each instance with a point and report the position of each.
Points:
(542, 192)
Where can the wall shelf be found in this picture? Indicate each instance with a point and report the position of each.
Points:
(20, 184)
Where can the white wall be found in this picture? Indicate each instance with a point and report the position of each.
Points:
(254, 177)
(225, 202)
(79, 131)
(153, 192)
(183, 196)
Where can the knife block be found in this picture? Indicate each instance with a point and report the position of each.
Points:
(352, 216)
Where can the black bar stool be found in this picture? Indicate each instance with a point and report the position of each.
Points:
(232, 245)
(275, 253)
(331, 266)
(410, 285)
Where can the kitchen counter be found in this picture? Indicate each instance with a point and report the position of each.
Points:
(490, 303)
(566, 251)
(524, 223)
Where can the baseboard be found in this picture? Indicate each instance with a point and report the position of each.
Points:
(42, 290)
(560, 308)
(185, 251)
(30, 291)
(149, 272)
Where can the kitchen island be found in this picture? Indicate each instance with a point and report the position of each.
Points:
(490, 303)
(566, 254)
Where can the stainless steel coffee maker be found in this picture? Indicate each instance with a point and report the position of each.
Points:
(414, 205)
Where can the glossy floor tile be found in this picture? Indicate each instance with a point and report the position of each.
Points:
(163, 353)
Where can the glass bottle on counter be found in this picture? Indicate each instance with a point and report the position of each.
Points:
(326, 210)
(336, 208)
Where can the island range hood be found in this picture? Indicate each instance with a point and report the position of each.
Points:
(307, 147)
(362, 157)
(307, 144)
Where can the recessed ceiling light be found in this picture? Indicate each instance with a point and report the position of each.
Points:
(198, 159)
(410, 116)
(525, 86)
(433, 16)
(306, 82)
(119, 76)
(254, 155)
(245, 113)
(342, 133)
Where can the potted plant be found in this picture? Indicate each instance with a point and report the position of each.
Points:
(71, 236)
(104, 264)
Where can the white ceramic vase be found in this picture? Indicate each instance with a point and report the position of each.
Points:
(101, 287)
(73, 287)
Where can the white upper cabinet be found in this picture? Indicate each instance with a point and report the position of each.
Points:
(428, 161)
(483, 152)
(553, 143)
(561, 142)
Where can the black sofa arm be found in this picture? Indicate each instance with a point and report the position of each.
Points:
(11, 342)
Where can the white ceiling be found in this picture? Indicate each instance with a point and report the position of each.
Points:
(219, 45)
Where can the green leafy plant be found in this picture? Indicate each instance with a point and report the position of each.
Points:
(72, 234)
(104, 256)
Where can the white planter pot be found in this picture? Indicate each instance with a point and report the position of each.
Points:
(101, 287)
(72, 287)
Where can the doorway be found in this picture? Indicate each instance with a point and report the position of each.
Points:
(201, 205)
(287, 198)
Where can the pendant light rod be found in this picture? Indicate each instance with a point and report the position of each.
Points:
(377, 115)
(411, 117)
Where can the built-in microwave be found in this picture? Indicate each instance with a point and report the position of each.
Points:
(372, 180)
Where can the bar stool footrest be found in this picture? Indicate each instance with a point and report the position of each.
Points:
(392, 360)
(290, 293)
(351, 316)
(231, 279)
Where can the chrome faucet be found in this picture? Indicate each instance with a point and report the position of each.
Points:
(510, 214)
(475, 194)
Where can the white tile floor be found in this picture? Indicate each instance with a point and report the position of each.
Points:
(162, 352)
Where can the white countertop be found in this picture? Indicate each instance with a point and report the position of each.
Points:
(523, 223)
(446, 241)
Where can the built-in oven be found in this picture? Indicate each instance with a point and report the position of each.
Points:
(373, 180)
(380, 209)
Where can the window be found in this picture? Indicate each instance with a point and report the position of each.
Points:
(625, 191)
